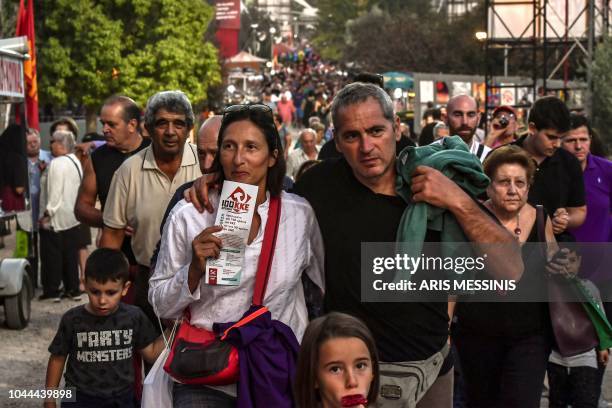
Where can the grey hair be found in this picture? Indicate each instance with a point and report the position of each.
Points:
(172, 101)
(66, 138)
(32, 131)
(308, 130)
(359, 92)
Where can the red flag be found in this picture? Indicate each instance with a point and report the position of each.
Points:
(25, 26)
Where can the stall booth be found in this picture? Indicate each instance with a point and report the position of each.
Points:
(16, 277)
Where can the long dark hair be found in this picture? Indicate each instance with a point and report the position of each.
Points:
(265, 122)
(331, 326)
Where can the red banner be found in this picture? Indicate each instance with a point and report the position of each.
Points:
(227, 14)
(25, 26)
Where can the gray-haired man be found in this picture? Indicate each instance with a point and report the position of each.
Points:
(143, 185)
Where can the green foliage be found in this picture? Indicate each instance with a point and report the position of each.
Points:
(90, 50)
(395, 35)
(330, 39)
(602, 89)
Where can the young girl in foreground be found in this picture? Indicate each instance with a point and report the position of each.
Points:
(337, 365)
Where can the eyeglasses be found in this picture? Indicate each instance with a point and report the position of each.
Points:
(253, 107)
(250, 107)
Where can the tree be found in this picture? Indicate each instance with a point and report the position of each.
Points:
(602, 89)
(411, 41)
(331, 29)
(90, 50)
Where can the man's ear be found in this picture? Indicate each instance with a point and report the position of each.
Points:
(397, 130)
(133, 125)
(532, 128)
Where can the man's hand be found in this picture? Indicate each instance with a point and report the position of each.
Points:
(431, 186)
(602, 357)
(198, 193)
(204, 245)
(494, 134)
(560, 220)
(129, 231)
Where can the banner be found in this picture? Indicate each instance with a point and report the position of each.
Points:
(25, 26)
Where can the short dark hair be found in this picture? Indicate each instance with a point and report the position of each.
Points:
(509, 154)
(65, 120)
(129, 108)
(550, 112)
(427, 134)
(577, 120)
(106, 264)
(331, 326)
(265, 122)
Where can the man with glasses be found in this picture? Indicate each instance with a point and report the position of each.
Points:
(143, 185)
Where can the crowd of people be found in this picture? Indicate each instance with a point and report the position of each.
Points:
(326, 157)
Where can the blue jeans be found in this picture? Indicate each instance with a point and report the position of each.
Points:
(89, 401)
(200, 396)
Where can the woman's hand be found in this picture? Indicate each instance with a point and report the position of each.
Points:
(204, 245)
(565, 263)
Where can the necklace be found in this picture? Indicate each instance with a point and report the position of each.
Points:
(517, 230)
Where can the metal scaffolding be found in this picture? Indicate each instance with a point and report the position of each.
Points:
(548, 36)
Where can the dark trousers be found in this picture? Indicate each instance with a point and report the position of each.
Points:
(502, 372)
(59, 256)
(578, 387)
(141, 294)
(88, 401)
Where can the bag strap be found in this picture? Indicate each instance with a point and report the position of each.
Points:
(541, 223)
(245, 320)
(267, 251)
(77, 167)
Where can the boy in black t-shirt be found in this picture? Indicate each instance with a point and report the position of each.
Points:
(99, 338)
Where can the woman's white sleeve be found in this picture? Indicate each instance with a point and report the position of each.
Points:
(316, 268)
(169, 292)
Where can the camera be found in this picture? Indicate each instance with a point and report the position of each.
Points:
(503, 122)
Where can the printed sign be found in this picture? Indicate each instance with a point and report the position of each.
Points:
(235, 215)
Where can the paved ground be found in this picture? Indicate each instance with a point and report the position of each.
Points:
(24, 355)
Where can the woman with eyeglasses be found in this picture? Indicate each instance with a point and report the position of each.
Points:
(249, 151)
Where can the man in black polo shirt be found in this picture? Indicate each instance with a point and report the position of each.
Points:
(558, 184)
(120, 118)
(355, 201)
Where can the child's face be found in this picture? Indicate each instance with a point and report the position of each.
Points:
(345, 368)
(104, 298)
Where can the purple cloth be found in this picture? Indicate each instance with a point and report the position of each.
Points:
(597, 226)
(268, 353)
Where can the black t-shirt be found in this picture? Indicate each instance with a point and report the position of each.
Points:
(557, 182)
(329, 151)
(106, 160)
(100, 348)
(348, 214)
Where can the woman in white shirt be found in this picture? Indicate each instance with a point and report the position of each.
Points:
(249, 151)
(59, 228)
